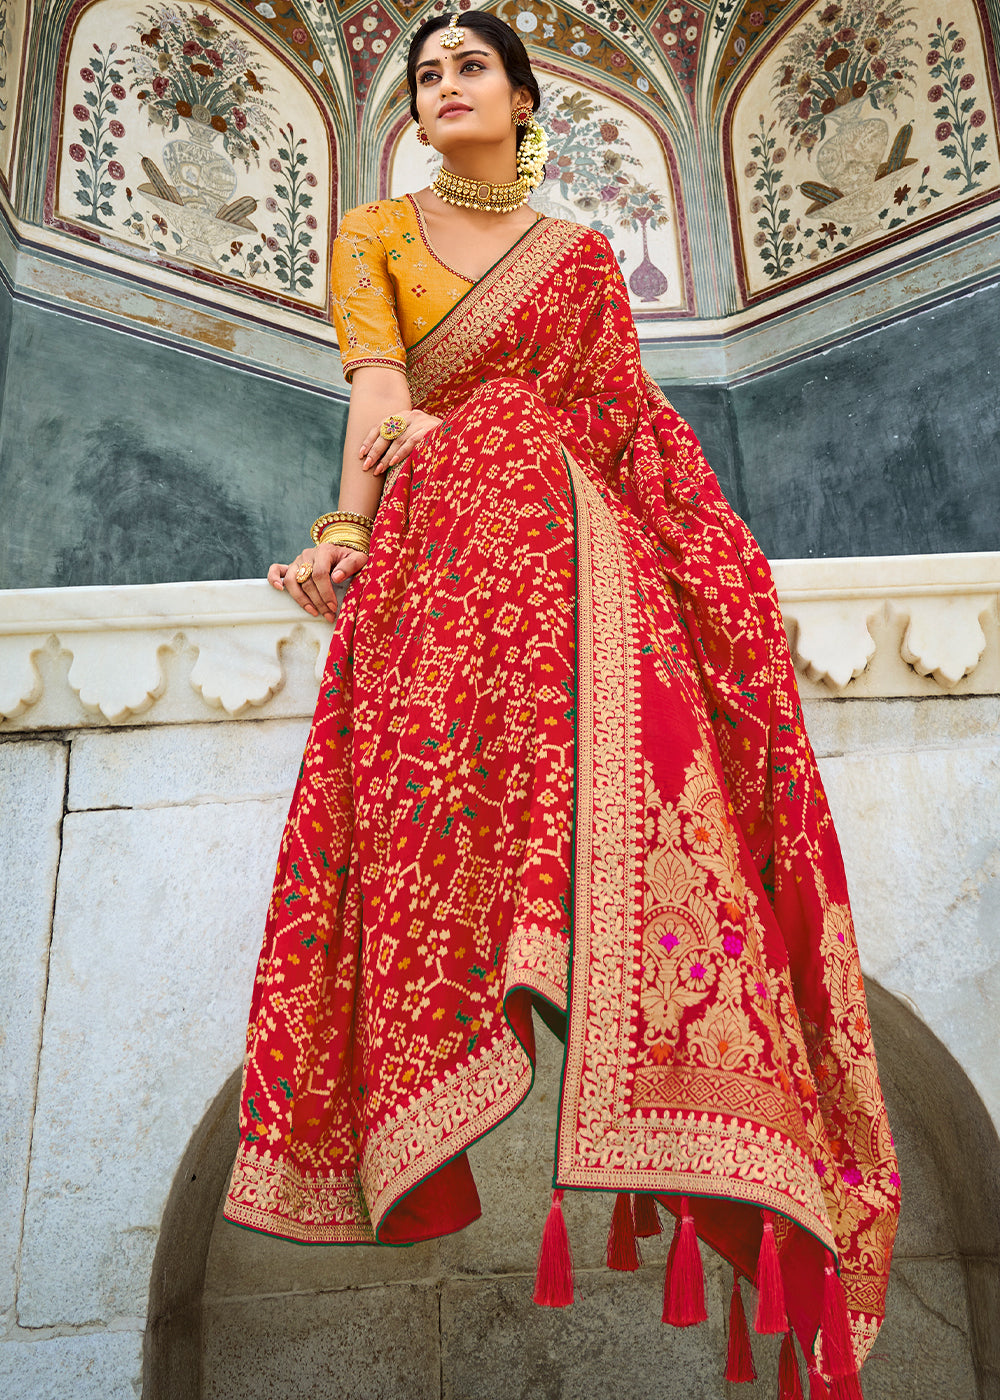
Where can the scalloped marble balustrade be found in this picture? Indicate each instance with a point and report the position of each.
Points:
(907, 625)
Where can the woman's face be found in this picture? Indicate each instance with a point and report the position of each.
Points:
(464, 97)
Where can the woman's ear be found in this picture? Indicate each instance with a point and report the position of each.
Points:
(521, 97)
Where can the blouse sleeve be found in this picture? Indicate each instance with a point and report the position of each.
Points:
(362, 301)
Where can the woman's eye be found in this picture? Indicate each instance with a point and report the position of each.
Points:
(425, 76)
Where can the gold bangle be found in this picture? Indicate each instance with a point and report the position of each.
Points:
(345, 517)
(350, 539)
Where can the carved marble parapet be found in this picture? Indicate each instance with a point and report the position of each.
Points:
(909, 624)
(181, 652)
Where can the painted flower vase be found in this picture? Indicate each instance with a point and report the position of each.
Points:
(646, 281)
(201, 175)
(849, 161)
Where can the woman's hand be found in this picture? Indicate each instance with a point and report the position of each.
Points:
(378, 455)
(331, 564)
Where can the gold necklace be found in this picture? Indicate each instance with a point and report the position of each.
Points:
(480, 194)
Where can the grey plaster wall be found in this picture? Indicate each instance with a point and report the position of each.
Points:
(888, 444)
(125, 461)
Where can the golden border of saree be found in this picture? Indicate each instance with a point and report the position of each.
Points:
(608, 1111)
(462, 331)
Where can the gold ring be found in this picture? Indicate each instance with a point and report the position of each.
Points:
(303, 573)
(392, 427)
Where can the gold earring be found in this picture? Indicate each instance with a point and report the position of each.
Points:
(521, 116)
(422, 136)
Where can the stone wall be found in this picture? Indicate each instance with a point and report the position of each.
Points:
(149, 803)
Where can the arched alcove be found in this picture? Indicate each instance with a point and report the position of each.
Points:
(233, 1313)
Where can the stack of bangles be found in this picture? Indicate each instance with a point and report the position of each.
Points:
(345, 528)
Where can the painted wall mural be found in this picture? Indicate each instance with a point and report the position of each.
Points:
(607, 168)
(13, 24)
(187, 140)
(865, 122)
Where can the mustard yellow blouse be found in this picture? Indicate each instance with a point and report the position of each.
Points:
(388, 286)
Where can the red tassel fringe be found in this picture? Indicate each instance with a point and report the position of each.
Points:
(684, 1286)
(789, 1385)
(817, 1385)
(554, 1276)
(646, 1216)
(623, 1251)
(838, 1352)
(771, 1316)
(739, 1361)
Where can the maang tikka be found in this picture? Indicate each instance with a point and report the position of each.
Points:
(453, 35)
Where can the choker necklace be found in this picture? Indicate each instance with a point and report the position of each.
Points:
(480, 194)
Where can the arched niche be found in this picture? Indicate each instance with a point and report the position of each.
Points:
(14, 19)
(234, 1313)
(188, 139)
(854, 129)
(610, 168)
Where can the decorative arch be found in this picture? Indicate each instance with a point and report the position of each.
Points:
(949, 1154)
(612, 166)
(14, 22)
(852, 132)
(189, 139)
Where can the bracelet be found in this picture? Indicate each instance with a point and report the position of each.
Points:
(346, 517)
(348, 538)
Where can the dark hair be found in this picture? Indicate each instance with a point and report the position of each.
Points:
(500, 37)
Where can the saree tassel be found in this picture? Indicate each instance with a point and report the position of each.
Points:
(684, 1285)
(554, 1276)
(838, 1352)
(789, 1384)
(646, 1216)
(623, 1250)
(771, 1317)
(817, 1385)
(739, 1360)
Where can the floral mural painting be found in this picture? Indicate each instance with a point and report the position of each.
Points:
(98, 130)
(678, 28)
(845, 144)
(4, 64)
(605, 168)
(186, 138)
(13, 20)
(961, 118)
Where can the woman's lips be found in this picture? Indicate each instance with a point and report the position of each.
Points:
(455, 110)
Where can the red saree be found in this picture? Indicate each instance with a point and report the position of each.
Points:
(559, 756)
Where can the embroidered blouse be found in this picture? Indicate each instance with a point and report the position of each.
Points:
(389, 287)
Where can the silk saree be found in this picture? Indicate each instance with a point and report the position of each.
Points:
(559, 759)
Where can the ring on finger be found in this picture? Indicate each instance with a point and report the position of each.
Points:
(392, 427)
(304, 572)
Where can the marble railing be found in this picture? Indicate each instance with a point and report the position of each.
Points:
(907, 625)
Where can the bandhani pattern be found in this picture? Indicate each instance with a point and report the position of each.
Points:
(559, 754)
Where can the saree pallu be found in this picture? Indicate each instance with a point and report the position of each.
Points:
(558, 758)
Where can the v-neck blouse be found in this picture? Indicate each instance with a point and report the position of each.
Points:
(388, 286)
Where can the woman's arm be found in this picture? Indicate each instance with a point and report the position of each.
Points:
(375, 393)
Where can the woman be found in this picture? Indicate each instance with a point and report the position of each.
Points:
(558, 760)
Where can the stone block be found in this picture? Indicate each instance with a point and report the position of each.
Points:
(924, 1345)
(920, 832)
(368, 1344)
(94, 1366)
(178, 764)
(873, 726)
(157, 929)
(513, 1169)
(242, 1262)
(32, 780)
(497, 1345)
